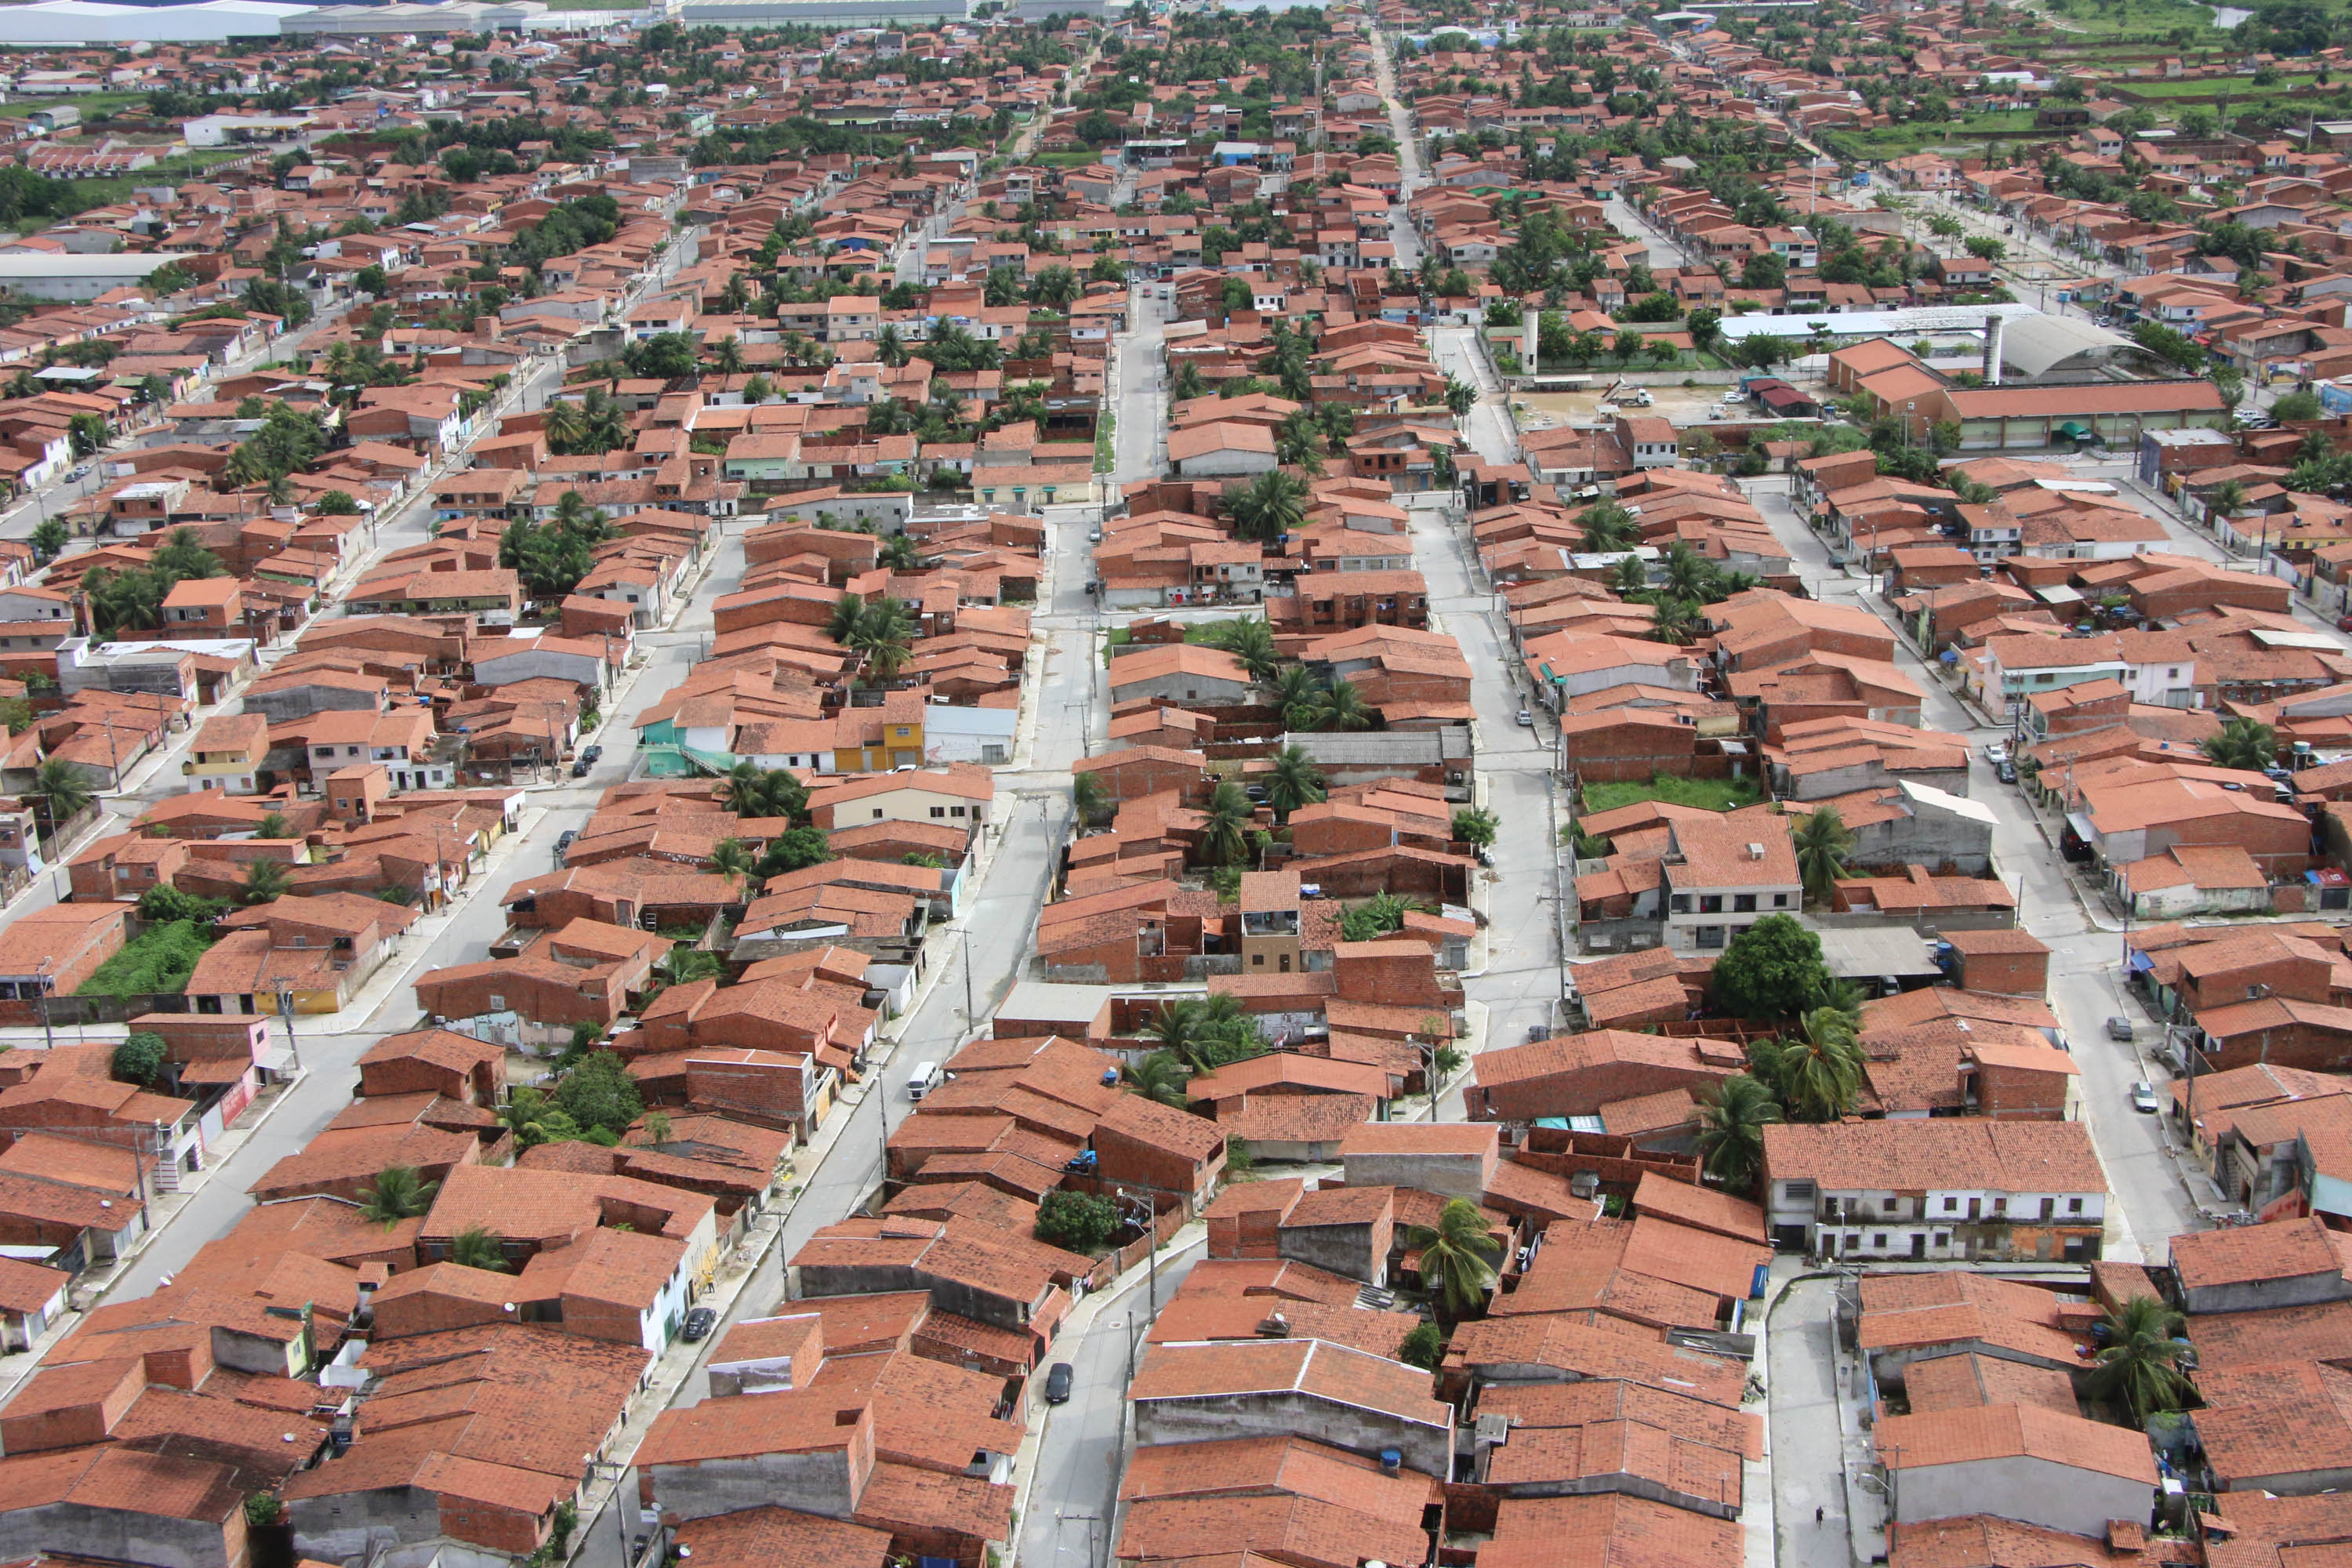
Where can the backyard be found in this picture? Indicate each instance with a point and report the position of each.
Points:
(1704, 794)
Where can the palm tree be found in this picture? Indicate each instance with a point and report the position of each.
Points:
(1607, 527)
(1688, 574)
(2139, 1365)
(1251, 642)
(1224, 827)
(1731, 1124)
(1295, 690)
(743, 790)
(898, 553)
(1457, 1257)
(273, 825)
(2229, 497)
(1057, 286)
(884, 639)
(1818, 1074)
(889, 347)
(727, 355)
(264, 881)
(566, 424)
(1274, 504)
(1292, 781)
(478, 1247)
(731, 860)
(1160, 1075)
(1086, 797)
(1300, 440)
(1673, 621)
(61, 789)
(2243, 743)
(1824, 847)
(399, 1193)
(842, 625)
(1179, 1030)
(1632, 576)
(1341, 707)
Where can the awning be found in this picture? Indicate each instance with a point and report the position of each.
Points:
(2074, 432)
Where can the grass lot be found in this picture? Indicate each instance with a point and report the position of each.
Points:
(2089, 19)
(93, 105)
(160, 960)
(1107, 443)
(1706, 795)
(2241, 88)
(1913, 136)
(1078, 160)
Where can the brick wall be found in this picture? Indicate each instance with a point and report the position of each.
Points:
(2006, 973)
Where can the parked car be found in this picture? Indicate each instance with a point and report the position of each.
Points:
(593, 754)
(579, 767)
(1057, 1383)
(2005, 771)
(2143, 1098)
(564, 841)
(1527, 719)
(699, 1322)
(1094, 536)
(1996, 752)
(2119, 1028)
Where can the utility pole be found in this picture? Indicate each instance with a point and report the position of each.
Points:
(971, 1011)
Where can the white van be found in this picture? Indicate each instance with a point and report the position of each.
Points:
(926, 1078)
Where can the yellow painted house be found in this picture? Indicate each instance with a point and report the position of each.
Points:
(876, 740)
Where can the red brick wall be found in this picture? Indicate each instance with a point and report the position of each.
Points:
(2006, 973)
(2021, 1095)
(1122, 1159)
(769, 1091)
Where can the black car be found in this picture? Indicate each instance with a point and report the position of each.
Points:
(593, 754)
(699, 1322)
(580, 768)
(1057, 1383)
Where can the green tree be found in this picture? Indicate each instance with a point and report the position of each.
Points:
(1088, 798)
(1251, 642)
(1424, 1346)
(1824, 849)
(264, 881)
(2243, 743)
(1731, 1121)
(1273, 504)
(477, 1246)
(1342, 707)
(2295, 406)
(1157, 1076)
(1076, 1222)
(49, 538)
(1224, 825)
(1295, 691)
(1984, 247)
(399, 1193)
(163, 903)
(1771, 970)
(2140, 1366)
(1475, 825)
(534, 1117)
(1817, 1075)
(1764, 270)
(138, 1059)
(731, 860)
(1205, 1033)
(273, 825)
(1292, 781)
(599, 1092)
(1376, 916)
(1457, 1258)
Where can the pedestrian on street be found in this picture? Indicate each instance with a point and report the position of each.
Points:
(1817, 1516)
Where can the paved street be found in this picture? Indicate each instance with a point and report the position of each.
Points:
(2086, 961)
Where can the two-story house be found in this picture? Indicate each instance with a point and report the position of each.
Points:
(1945, 1189)
(1723, 875)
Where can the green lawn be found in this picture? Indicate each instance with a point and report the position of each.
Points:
(1706, 795)
(2242, 90)
(93, 105)
(2089, 19)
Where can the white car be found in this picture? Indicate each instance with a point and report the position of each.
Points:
(1996, 752)
(1527, 719)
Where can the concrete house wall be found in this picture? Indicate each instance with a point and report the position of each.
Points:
(2030, 1490)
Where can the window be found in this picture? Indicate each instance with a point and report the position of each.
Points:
(1779, 900)
(497, 1003)
(1951, 1205)
(877, 814)
(938, 811)
(955, 811)
(1710, 936)
(1710, 903)
(2074, 1205)
(1743, 903)
(1878, 1240)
